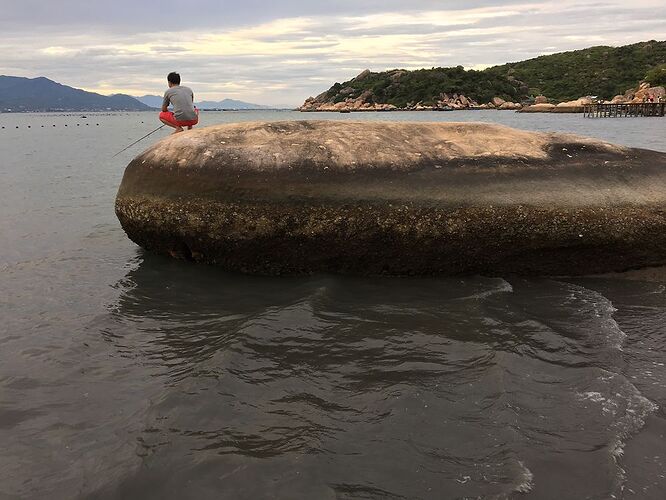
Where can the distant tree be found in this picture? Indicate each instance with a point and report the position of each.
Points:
(656, 76)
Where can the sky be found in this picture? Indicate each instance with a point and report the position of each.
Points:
(281, 52)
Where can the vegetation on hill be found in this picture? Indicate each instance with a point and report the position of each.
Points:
(399, 87)
(602, 71)
(657, 76)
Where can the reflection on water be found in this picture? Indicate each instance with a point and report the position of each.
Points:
(343, 387)
(126, 375)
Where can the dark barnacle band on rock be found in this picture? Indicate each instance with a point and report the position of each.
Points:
(397, 199)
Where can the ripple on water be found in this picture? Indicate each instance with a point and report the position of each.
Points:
(333, 386)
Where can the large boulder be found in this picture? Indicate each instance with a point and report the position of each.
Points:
(396, 198)
(657, 92)
(577, 106)
(580, 102)
(510, 105)
(645, 92)
(538, 108)
(362, 75)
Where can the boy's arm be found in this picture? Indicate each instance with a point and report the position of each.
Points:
(165, 103)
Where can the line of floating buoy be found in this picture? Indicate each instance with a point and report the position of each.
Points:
(54, 125)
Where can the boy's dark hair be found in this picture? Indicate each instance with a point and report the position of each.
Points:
(174, 78)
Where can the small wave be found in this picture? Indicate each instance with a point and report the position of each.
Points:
(599, 310)
(525, 481)
(608, 406)
(627, 408)
(624, 402)
(502, 287)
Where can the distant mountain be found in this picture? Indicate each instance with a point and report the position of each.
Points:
(229, 104)
(42, 94)
(155, 101)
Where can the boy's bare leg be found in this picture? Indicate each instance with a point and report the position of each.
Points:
(178, 128)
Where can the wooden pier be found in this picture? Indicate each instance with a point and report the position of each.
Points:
(624, 110)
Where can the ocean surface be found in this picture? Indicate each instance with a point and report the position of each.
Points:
(126, 375)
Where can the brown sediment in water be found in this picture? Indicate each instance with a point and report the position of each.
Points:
(396, 199)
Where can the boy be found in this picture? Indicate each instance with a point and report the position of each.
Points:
(182, 98)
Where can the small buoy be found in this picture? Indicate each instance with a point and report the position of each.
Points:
(54, 125)
(97, 124)
(28, 126)
(17, 126)
(42, 126)
(87, 124)
(77, 124)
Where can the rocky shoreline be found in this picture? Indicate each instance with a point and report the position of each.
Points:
(643, 93)
(366, 102)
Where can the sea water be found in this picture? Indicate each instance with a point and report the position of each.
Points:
(129, 375)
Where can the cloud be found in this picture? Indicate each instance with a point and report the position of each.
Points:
(282, 52)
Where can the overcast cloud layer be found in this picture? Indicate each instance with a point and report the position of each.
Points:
(280, 52)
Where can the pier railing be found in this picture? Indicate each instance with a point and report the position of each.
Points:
(624, 110)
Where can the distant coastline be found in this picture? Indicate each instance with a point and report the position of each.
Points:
(42, 95)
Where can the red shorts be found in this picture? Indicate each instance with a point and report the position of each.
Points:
(168, 116)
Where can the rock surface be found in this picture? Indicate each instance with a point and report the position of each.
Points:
(538, 108)
(396, 198)
(510, 105)
(643, 93)
(580, 102)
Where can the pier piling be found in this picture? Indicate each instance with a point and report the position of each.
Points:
(624, 110)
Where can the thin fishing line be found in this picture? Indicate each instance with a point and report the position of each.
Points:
(137, 141)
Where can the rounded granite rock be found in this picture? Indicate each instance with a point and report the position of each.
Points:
(397, 199)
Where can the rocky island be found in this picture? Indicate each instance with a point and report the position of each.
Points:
(390, 91)
(396, 199)
(559, 83)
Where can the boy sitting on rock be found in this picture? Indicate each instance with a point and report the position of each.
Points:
(184, 113)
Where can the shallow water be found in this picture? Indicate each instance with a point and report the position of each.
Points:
(127, 375)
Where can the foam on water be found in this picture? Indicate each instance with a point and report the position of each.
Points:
(525, 481)
(500, 285)
(617, 398)
(598, 312)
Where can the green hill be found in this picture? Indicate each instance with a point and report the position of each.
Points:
(602, 71)
(399, 87)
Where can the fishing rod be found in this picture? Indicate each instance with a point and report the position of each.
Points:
(136, 142)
